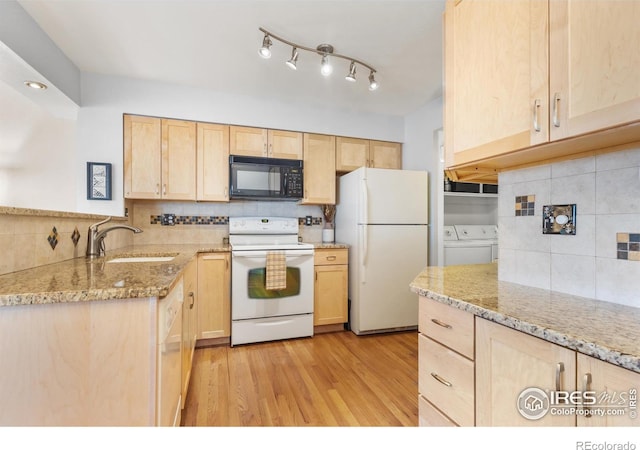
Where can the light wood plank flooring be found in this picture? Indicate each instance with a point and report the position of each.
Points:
(332, 379)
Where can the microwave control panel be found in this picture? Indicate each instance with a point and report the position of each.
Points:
(292, 182)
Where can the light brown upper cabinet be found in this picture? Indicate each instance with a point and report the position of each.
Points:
(249, 141)
(213, 162)
(159, 158)
(531, 81)
(352, 153)
(319, 169)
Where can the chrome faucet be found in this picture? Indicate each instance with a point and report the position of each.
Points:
(95, 239)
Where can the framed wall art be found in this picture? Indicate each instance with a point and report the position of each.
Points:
(98, 181)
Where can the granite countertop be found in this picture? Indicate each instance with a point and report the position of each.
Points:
(329, 245)
(81, 279)
(604, 330)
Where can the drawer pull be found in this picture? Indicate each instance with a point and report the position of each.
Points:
(559, 372)
(440, 379)
(331, 258)
(586, 386)
(442, 324)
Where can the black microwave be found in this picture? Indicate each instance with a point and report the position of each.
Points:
(265, 178)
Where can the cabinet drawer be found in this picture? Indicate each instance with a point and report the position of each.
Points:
(324, 257)
(447, 325)
(429, 416)
(446, 379)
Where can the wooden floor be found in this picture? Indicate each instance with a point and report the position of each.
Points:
(332, 379)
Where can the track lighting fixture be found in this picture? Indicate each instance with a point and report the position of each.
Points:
(324, 50)
(265, 51)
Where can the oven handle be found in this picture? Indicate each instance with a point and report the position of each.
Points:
(263, 253)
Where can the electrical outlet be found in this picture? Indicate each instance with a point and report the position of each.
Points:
(308, 221)
(169, 219)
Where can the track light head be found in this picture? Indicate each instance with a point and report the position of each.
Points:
(265, 51)
(294, 58)
(352, 72)
(373, 84)
(325, 66)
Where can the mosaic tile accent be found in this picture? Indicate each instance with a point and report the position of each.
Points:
(53, 238)
(628, 246)
(314, 220)
(525, 205)
(75, 237)
(192, 220)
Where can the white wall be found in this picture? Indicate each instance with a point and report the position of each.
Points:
(606, 191)
(106, 98)
(420, 152)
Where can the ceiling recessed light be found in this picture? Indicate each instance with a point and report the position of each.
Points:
(35, 85)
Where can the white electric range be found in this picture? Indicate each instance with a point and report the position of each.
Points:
(258, 313)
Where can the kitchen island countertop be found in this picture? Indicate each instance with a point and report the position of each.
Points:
(604, 330)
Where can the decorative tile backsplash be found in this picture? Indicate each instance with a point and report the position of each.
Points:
(628, 246)
(191, 220)
(559, 219)
(525, 205)
(75, 237)
(601, 260)
(53, 238)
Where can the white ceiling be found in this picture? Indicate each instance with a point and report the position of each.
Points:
(213, 44)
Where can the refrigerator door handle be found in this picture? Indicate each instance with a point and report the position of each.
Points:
(363, 258)
(365, 202)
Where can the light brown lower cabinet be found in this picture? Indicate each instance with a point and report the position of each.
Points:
(330, 305)
(445, 365)
(214, 295)
(615, 390)
(510, 361)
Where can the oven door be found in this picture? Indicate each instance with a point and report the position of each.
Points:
(250, 297)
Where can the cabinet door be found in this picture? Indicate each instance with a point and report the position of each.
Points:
(284, 144)
(214, 300)
(496, 77)
(142, 157)
(213, 162)
(614, 387)
(385, 155)
(351, 153)
(594, 65)
(330, 295)
(507, 363)
(189, 324)
(248, 141)
(178, 160)
(319, 169)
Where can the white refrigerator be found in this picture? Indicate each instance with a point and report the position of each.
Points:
(382, 214)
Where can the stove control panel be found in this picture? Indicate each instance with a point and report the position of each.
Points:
(263, 225)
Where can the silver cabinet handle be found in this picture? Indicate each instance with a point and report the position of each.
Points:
(157, 188)
(536, 114)
(586, 386)
(556, 101)
(226, 191)
(440, 379)
(164, 189)
(559, 372)
(442, 324)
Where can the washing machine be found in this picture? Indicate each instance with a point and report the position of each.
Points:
(470, 244)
